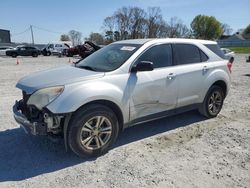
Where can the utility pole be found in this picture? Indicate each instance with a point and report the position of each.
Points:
(32, 35)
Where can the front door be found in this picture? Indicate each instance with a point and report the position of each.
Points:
(154, 91)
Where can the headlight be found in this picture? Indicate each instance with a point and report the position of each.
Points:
(45, 96)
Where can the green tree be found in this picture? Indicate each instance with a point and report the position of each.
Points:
(64, 37)
(247, 30)
(206, 27)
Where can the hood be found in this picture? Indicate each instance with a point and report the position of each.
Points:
(54, 77)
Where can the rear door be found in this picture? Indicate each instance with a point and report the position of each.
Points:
(153, 91)
(191, 70)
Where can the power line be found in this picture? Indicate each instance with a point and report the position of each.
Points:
(26, 30)
(32, 34)
(50, 31)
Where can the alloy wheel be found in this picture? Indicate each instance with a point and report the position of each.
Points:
(215, 103)
(95, 132)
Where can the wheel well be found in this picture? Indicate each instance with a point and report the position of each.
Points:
(222, 85)
(112, 106)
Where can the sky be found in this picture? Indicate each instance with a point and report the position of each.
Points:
(51, 18)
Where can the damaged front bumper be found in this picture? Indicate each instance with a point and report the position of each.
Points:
(34, 128)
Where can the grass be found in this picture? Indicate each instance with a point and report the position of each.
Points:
(241, 50)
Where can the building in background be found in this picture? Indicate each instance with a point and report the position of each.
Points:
(235, 40)
(4, 36)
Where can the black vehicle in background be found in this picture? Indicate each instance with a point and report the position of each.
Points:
(23, 51)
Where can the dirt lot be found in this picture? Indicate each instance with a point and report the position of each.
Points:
(186, 150)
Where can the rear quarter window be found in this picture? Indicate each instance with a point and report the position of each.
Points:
(216, 49)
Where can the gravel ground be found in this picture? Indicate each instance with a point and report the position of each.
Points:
(185, 150)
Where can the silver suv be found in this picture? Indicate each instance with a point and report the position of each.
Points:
(123, 84)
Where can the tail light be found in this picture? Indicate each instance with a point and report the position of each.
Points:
(230, 64)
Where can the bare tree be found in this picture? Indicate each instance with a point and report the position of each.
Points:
(155, 22)
(137, 23)
(75, 37)
(64, 37)
(176, 29)
(109, 23)
(96, 38)
(122, 17)
(134, 22)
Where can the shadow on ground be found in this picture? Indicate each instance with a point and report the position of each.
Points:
(23, 156)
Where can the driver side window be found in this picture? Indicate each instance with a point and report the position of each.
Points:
(160, 55)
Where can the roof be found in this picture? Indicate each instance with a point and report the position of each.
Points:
(143, 41)
(134, 41)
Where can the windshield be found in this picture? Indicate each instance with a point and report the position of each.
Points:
(108, 58)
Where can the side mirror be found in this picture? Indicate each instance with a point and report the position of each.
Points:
(143, 66)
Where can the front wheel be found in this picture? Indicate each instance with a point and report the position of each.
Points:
(213, 102)
(34, 54)
(13, 55)
(93, 130)
(48, 53)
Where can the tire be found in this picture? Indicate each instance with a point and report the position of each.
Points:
(13, 55)
(69, 54)
(84, 138)
(34, 54)
(48, 53)
(213, 102)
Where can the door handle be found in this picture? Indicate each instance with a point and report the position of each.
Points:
(205, 69)
(171, 76)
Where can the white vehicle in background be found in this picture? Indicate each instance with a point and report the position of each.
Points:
(3, 50)
(55, 48)
(228, 53)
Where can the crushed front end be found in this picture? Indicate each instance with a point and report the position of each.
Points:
(37, 121)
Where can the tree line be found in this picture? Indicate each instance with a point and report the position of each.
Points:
(135, 22)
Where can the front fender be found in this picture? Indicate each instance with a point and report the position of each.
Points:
(76, 95)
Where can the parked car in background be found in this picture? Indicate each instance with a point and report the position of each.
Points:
(23, 51)
(123, 84)
(3, 50)
(83, 50)
(54, 49)
(228, 53)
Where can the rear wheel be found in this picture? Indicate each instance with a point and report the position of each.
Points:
(92, 130)
(213, 102)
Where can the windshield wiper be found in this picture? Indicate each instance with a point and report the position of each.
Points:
(87, 67)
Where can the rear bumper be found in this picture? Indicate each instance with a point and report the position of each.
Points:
(34, 128)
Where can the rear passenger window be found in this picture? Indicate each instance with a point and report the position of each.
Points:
(160, 55)
(188, 53)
